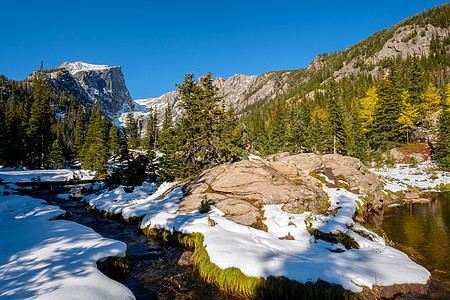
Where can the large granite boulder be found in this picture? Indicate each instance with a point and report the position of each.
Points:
(242, 188)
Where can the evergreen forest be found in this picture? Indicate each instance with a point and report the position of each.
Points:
(360, 115)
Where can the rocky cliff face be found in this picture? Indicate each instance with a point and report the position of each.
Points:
(91, 83)
(406, 41)
(245, 92)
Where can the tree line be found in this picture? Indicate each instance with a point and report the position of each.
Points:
(359, 115)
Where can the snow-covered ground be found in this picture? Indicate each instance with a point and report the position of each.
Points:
(402, 177)
(23, 175)
(258, 253)
(42, 258)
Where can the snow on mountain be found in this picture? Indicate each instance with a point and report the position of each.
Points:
(80, 66)
(91, 83)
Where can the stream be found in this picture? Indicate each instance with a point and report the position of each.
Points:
(422, 230)
(154, 271)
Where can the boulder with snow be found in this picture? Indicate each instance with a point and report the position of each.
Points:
(242, 188)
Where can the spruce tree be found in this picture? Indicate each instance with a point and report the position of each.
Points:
(95, 149)
(114, 140)
(416, 81)
(336, 117)
(196, 141)
(277, 128)
(385, 130)
(56, 155)
(442, 153)
(152, 135)
(79, 134)
(39, 124)
(131, 128)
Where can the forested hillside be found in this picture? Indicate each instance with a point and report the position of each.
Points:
(362, 101)
(388, 90)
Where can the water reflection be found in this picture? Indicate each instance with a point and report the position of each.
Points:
(422, 230)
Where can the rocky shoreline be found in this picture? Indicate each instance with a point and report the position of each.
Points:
(243, 192)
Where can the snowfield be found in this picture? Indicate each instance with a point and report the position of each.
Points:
(56, 259)
(258, 253)
(22, 175)
(402, 176)
(41, 258)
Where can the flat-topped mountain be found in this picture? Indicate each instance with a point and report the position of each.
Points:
(90, 83)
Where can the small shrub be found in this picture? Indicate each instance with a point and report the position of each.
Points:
(413, 162)
(433, 177)
(211, 222)
(287, 237)
(336, 238)
(205, 206)
(389, 160)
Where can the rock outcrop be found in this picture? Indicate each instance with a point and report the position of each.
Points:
(242, 188)
(244, 92)
(91, 83)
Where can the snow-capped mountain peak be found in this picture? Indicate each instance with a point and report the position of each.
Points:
(79, 66)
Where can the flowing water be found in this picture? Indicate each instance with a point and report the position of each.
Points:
(154, 271)
(422, 230)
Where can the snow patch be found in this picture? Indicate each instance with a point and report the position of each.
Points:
(23, 175)
(258, 253)
(82, 66)
(43, 259)
(402, 177)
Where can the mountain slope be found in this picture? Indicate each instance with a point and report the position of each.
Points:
(413, 36)
(91, 83)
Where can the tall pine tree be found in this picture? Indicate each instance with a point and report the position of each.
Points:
(95, 148)
(442, 153)
(39, 124)
(385, 131)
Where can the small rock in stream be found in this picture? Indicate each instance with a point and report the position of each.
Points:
(185, 259)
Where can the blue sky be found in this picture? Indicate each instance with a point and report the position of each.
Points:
(157, 42)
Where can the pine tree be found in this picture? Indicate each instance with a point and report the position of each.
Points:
(416, 81)
(385, 130)
(2, 128)
(39, 124)
(442, 153)
(13, 142)
(196, 141)
(114, 140)
(277, 129)
(96, 145)
(56, 155)
(336, 117)
(152, 135)
(79, 134)
(131, 128)
(168, 118)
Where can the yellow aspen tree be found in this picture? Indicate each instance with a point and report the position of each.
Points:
(446, 97)
(408, 115)
(368, 105)
(431, 100)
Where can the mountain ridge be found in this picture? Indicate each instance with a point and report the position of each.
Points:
(367, 57)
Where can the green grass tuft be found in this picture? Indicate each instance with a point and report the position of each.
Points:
(236, 283)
